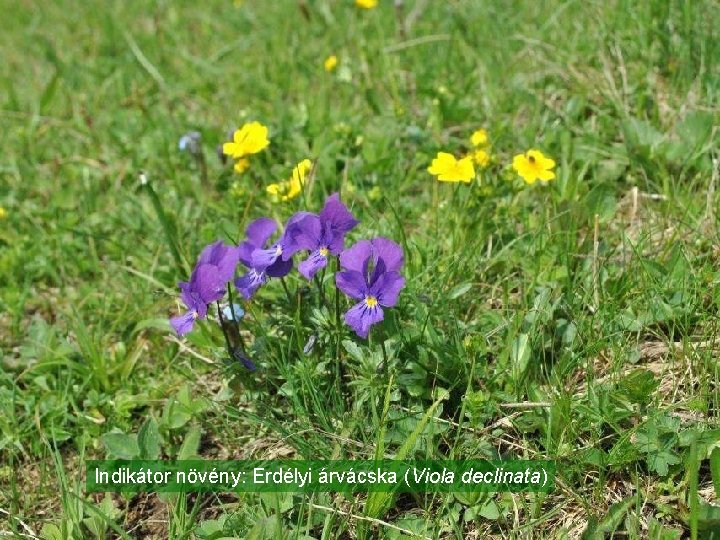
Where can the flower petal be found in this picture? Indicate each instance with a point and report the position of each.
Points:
(260, 230)
(249, 283)
(224, 257)
(262, 258)
(352, 283)
(360, 318)
(303, 231)
(310, 266)
(183, 324)
(389, 252)
(336, 213)
(387, 288)
(245, 253)
(356, 256)
(207, 283)
(546, 175)
(279, 268)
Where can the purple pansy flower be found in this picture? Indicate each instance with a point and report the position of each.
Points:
(372, 275)
(215, 267)
(262, 262)
(323, 234)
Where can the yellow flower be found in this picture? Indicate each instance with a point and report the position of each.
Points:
(366, 4)
(479, 138)
(330, 63)
(449, 169)
(291, 188)
(481, 157)
(533, 166)
(3, 213)
(249, 139)
(242, 165)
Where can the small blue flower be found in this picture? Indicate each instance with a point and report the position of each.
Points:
(190, 142)
(234, 314)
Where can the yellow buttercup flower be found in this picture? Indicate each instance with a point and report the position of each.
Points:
(479, 137)
(242, 165)
(449, 169)
(249, 139)
(533, 166)
(330, 63)
(3, 213)
(291, 188)
(366, 4)
(481, 157)
(301, 170)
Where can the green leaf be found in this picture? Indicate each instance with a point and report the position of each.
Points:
(121, 445)
(458, 291)
(639, 385)
(521, 354)
(715, 470)
(490, 511)
(50, 531)
(661, 461)
(353, 350)
(378, 502)
(708, 517)
(149, 440)
(189, 447)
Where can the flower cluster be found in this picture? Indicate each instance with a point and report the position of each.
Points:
(531, 166)
(292, 187)
(370, 268)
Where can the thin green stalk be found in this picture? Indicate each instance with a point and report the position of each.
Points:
(321, 291)
(339, 371)
(222, 327)
(287, 291)
(167, 226)
(232, 314)
(385, 356)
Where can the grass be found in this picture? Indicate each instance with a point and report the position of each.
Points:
(575, 321)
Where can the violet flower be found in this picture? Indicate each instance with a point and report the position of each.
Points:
(262, 262)
(372, 275)
(214, 269)
(323, 234)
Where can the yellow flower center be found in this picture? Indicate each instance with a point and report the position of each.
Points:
(371, 301)
(324, 251)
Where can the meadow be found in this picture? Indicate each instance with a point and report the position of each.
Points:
(570, 316)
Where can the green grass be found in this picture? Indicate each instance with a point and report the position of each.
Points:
(593, 341)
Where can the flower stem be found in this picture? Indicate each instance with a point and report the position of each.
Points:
(224, 331)
(321, 291)
(287, 291)
(339, 368)
(232, 314)
(385, 356)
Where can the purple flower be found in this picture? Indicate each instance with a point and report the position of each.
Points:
(372, 276)
(214, 269)
(262, 262)
(323, 234)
